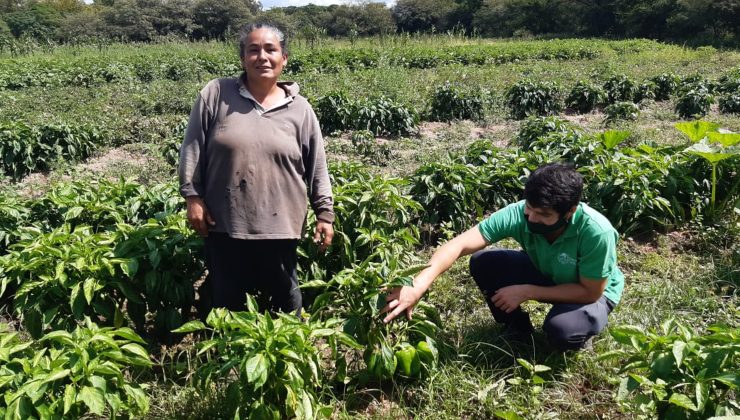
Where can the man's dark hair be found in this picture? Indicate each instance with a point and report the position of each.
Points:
(556, 186)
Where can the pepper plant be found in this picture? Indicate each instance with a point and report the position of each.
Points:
(357, 295)
(677, 372)
(89, 371)
(272, 365)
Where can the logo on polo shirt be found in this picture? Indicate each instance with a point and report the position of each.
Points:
(566, 259)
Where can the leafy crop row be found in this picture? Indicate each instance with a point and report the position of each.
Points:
(194, 63)
(25, 149)
(638, 188)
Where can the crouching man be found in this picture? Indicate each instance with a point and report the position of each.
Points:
(568, 259)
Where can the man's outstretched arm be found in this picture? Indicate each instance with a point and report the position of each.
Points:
(404, 298)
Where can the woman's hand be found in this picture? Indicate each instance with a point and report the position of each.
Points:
(198, 216)
(401, 299)
(323, 234)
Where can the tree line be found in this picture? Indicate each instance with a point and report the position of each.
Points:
(695, 21)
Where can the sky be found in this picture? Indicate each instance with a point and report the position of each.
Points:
(267, 4)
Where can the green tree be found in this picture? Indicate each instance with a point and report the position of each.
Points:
(126, 21)
(423, 15)
(647, 19)
(79, 26)
(365, 19)
(38, 20)
(215, 18)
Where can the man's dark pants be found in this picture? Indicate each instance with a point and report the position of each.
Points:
(567, 325)
(263, 268)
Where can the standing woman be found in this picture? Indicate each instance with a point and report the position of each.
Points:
(252, 153)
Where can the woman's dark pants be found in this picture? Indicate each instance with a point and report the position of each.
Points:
(265, 269)
(567, 325)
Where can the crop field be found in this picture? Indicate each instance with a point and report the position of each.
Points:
(103, 303)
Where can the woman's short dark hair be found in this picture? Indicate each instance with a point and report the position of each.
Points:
(556, 186)
(248, 29)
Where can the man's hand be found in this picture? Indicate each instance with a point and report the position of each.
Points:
(198, 216)
(400, 299)
(510, 297)
(323, 235)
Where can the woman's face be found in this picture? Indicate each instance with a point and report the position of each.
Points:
(263, 58)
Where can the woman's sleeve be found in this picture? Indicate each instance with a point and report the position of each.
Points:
(316, 171)
(192, 151)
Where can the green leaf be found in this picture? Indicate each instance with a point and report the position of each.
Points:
(53, 376)
(93, 398)
(711, 152)
(189, 327)
(678, 351)
(89, 287)
(410, 271)
(610, 139)
(623, 334)
(128, 334)
(314, 284)
(508, 415)
(70, 395)
(257, 369)
(139, 351)
(730, 379)
(682, 401)
(541, 368)
(130, 267)
(696, 130)
(138, 396)
(725, 139)
(702, 395)
(526, 364)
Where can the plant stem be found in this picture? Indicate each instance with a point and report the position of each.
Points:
(714, 185)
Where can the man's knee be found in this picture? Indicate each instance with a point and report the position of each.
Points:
(566, 331)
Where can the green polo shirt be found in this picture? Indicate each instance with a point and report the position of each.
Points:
(587, 248)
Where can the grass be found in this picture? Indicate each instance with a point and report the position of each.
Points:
(692, 276)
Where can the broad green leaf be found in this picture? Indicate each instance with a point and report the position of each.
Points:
(541, 368)
(702, 395)
(70, 394)
(130, 267)
(137, 350)
(314, 284)
(678, 351)
(410, 271)
(93, 398)
(138, 396)
(730, 379)
(189, 327)
(526, 364)
(322, 332)
(128, 334)
(610, 139)
(508, 415)
(257, 369)
(711, 152)
(696, 130)
(725, 139)
(89, 287)
(623, 334)
(53, 376)
(682, 401)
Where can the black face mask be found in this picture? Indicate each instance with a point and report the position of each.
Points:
(543, 229)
